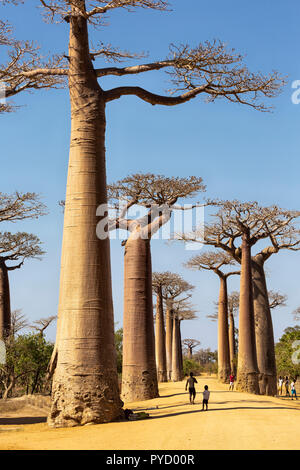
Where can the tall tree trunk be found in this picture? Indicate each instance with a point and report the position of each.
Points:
(264, 334)
(232, 350)
(223, 340)
(85, 384)
(160, 340)
(169, 336)
(139, 376)
(247, 375)
(176, 374)
(190, 352)
(5, 311)
(180, 349)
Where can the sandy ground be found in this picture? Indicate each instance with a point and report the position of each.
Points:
(234, 421)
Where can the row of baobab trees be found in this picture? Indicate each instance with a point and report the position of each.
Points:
(85, 382)
(143, 360)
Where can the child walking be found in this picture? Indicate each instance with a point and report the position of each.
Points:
(206, 395)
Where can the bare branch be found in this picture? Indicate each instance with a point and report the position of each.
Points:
(152, 98)
(20, 206)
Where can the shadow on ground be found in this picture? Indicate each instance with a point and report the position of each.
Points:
(24, 420)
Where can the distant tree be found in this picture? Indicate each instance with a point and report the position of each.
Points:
(13, 248)
(252, 223)
(296, 314)
(233, 306)
(181, 310)
(288, 352)
(18, 322)
(27, 358)
(157, 195)
(276, 299)
(42, 324)
(20, 206)
(176, 289)
(119, 348)
(207, 359)
(191, 344)
(216, 262)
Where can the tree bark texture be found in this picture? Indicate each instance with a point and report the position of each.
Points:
(169, 336)
(85, 383)
(139, 376)
(223, 339)
(232, 350)
(5, 310)
(176, 372)
(180, 350)
(247, 375)
(264, 334)
(160, 340)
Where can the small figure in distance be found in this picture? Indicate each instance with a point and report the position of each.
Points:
(206, 395)
(280, 385)
(287, 383)
(231, 381)
(293, 390)
(192, 391)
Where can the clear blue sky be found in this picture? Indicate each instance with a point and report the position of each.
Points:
(239, 152)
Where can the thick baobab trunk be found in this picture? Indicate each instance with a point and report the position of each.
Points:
(160, 340)
(85, 383)
(223, 340)
(169, 336)
(5, 311)
(232, 350)
(176, 372)
(247, 375)
(264, 335)
(190, 352)
(139, 376)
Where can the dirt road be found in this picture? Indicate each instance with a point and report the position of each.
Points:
(234, 421)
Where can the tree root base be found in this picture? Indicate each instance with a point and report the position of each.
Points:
(79, 400)
(247, 382)
(139, 387)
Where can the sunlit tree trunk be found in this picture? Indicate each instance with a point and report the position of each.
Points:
(160, 340)
(180, 349)
(169, 336)
(5, 310)
(139, 376)
(223, 340)
(264, 335)
(247, 374)
(232, 350)
(176, 373)
(85, 384)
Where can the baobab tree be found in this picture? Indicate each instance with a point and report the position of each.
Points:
(215, 261)
(296, 314)
(276, 299)
(14, 248)
(233, 306)
(174, 290)
(159, 282)
(85, 383)
(181, 310)
(20, 206)
(158, 195)
(42, 324)
(190, 344)
(253, 223)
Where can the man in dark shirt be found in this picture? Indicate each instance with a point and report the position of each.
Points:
(191, 384)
